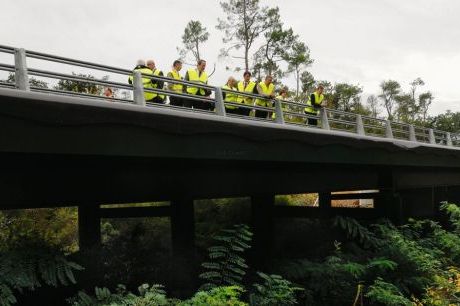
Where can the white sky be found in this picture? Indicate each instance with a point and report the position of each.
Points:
(357, 41)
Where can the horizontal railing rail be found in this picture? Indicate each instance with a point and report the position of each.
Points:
(276, 111)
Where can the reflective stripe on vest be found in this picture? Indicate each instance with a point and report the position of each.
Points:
(249, 89)
(310, 108)
(194, 77)
(176, 76)
(147, 82)
(230, 97)
(267, 90)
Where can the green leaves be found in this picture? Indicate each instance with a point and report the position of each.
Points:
(275, 290)
(226, 265)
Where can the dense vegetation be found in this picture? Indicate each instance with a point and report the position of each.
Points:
(315, 262)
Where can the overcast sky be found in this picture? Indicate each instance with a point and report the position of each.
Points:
(358, 41)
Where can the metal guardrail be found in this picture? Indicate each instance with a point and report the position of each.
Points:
(279, 111)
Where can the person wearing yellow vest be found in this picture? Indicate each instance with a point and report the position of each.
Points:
(146, 82)
(267, 90)
(282, 96)
(247, 86)
(157, 98)
(314, 104)
(229, 94)
(175, 87)
(198, 75)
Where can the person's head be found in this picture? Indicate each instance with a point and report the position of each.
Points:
(283, 92)
(246, 76)
(140, 62)
(268, 79)
(231, 82)
(320, 89)
(177, 65)
(151, 64)
(108, 92)
(201, 65)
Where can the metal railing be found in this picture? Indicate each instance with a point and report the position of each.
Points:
(278, 111)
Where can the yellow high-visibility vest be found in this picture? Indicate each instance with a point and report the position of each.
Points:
(146, 82)
(267, 90)
(230, 97)
(175, 86)
(310, 108)
(249, 89)
(193, 76)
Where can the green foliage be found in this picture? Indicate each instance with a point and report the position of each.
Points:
(87, 87)
(148, 295)
(226, 265)
(449, 121)
(33, 82)
(355, 230)
(31, 266)
(386, 294)
(218, 296)
(275, 290)
(194, 35)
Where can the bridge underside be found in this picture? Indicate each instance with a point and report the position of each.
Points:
(65, 151)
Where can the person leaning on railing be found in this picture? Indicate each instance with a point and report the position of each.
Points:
(198, 75)
(231, 97)
(156, 83)
(282, 96)
(175, 87)
(314, 104)
(146, 82)
(265, 89)
(247, 86)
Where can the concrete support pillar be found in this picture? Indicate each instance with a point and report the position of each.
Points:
(89, 226)
(183, 227)
(325, 204)
(389, 206)
(262, 209)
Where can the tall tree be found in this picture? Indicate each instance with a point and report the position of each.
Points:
(308, 82)
(81, 86)
(298, 58)
(425, 100)
(194, 35)
(347, 97)
(390, 90)
(244, 23)
(372, 104)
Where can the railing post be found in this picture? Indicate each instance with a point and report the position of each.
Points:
(20, 73)
(388, 130)
(431, 136)
(324, 119)
(448, 139)
(279, 116)
(360, 125)
(139, 98)
(412, 133)
(219, 106)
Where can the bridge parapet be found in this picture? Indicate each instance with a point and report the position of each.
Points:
(282, 112)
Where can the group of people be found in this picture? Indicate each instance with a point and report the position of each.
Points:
(265, 91)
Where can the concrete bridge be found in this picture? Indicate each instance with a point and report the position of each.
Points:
(72, 149)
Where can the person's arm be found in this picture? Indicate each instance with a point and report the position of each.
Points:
(186, 78)
(160, 82)
(313, 101)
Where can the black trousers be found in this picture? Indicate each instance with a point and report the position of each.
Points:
(157, 99)
(175, 101)
(198, 104)
(312, 121)
(261, 114)
(235, 111)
